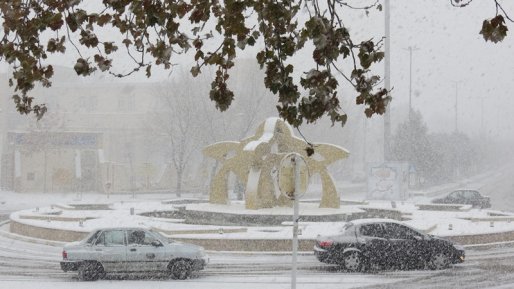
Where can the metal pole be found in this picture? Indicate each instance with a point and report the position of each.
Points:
(482, 116)
(295, 220)
(456, 106)
(410, 81)
(387, 78)
(411, 50)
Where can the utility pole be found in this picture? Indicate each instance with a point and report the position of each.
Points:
(481, 98)
(410, 49)
(456, 106)
(387, 78)
(482, 115)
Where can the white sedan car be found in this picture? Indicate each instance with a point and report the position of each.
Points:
(122, 250)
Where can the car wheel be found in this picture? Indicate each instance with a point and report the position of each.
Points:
(353, 261)
(180, 269)
(90, 271)
(439, 261)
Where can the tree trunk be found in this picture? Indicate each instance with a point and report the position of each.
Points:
(179, 183)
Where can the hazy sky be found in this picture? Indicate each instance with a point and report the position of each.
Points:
(451, 50)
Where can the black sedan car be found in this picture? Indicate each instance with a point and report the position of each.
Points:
(384, 244)
(468, 197)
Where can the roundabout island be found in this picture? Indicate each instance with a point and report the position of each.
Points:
(235, 228)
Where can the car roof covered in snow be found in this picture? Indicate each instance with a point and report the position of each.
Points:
(465, 189)
(122, 228)
(373, 220)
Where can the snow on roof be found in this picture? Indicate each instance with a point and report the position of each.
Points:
(374, 220)
(132, 227)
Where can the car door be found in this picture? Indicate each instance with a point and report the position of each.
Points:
(145, 252)
(376, 246)
(110, 249)
(474, 198)
(461, 198)
(407, 248)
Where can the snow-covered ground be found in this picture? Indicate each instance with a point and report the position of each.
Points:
(443, 223)
(469, 221)
(272, 282)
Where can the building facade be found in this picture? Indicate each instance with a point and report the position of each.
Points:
(96, 136)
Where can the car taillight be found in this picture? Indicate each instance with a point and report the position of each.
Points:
(325, 244)
(64, 254)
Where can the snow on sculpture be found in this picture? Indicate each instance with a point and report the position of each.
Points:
(255, 161)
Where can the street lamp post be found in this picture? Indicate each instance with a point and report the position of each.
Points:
(456, 106)
(410, 49)
(293, 179)
(295, 220)
(387, 76)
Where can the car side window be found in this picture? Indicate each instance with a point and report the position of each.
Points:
(372, 230)
(111, 238)
(396, 231)
(472, 194)
(140, 237)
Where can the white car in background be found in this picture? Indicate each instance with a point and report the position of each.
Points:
(125, 250)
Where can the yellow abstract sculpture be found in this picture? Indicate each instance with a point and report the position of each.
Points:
(255, 161)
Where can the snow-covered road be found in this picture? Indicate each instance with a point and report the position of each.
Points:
(29, 265)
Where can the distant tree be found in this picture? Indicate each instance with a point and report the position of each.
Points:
(411, 143)
(457, 156)
(178, 119)
(439, 157)
(153, 32)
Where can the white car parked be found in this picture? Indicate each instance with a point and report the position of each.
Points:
(121, 250)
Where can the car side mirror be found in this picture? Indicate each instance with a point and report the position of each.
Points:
(156, 243)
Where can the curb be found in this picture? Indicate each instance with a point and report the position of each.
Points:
(490, 245)
(28, 239)
(60, 244)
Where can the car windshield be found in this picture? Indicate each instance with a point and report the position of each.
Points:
(347, 228)
(92, 237)
(161, 237)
